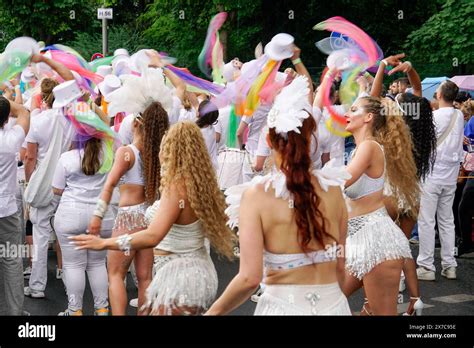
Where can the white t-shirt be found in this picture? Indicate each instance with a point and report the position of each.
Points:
(263, 149)
(41, 127)
(77, 186)
(450, 153)
(173, 116)
(327, 141)
(125, 131)
(10, 143)
(222, 126)
(209, 135)
(255, 123)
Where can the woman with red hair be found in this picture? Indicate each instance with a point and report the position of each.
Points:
(290, 222)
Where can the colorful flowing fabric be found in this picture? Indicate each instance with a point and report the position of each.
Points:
(268, 74)
(99, 62)
(188, 78)
(12, 64)
(351, 51)
(89, 125)
(232, 130)
(211, 56)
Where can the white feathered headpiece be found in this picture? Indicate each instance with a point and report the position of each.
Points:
(291, 107)
(138, 92)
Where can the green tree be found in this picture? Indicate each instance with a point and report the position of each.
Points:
(444, 44)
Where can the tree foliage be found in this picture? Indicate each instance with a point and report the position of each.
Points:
(446, 39)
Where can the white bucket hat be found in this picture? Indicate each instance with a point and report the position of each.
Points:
(104, 70)
(27, 75)
(110, 84)
(121, 52)
(280, 47)
(66, 93)
(228, 72)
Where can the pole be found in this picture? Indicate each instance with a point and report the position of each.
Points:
(104, 37)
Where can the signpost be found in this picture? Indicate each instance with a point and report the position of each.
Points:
(104, 14)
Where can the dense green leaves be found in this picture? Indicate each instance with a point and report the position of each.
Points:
(432, 32)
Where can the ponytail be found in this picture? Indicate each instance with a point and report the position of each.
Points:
(91, 160)
(296, 165)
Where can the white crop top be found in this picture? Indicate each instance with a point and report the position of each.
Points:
(135, 174)
(366, 185)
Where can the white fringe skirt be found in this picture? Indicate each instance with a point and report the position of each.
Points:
(283, 299)
(183, 284)
(130, 219)
(372, 239)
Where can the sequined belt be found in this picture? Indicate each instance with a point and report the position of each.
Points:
(356, 223)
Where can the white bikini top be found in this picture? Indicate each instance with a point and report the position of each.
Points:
(327, 176)
(135, 174)
(366, 185)
(290, 261)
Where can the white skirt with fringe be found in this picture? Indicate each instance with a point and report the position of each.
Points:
(183, 284)
(283, 299)
(372, 239)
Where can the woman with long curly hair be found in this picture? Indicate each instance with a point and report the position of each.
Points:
(137, 171)
(375, 245)
(418, 116)
(191, 209)
(289, 222)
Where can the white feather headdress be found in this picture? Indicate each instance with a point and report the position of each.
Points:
(291, 107)
(138, 92)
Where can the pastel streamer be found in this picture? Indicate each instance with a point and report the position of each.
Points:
(205, 61)
(99, 62)
(12, 64)
(185, 75)
(89, 125)
(253, 99)
(232, 128)
(217, 61)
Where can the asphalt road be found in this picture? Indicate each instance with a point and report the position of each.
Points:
(443, 297)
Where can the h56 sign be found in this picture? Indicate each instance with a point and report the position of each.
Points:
(106, 13)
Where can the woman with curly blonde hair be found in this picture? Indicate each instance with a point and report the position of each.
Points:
(191, 209)
(375, 245)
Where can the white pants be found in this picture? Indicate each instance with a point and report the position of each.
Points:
(436, 201)
(40, 218)
(72, 219)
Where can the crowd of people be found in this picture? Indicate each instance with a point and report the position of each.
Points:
(137, 185)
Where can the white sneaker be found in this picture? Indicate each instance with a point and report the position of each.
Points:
(134, 302)
(255, 297)
(449, 273)
(33, 293)
(59, 273)
(27, 272)
(425, 274)
(402, 286)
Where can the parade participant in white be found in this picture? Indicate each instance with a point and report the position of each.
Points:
(11, 268)
(191, 209)
(439, 187)
(50, 135)
(289, 224)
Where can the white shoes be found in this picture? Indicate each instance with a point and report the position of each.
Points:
(425, 274)
(134, 302)
(255, 297)
(402, 286)
(59, 273)
(27, 272)
(33, 293)
(449, 273)
(417, 307)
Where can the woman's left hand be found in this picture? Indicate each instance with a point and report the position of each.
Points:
(88, 241)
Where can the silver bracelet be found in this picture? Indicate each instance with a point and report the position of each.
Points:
(100, 208)
(124, 243)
